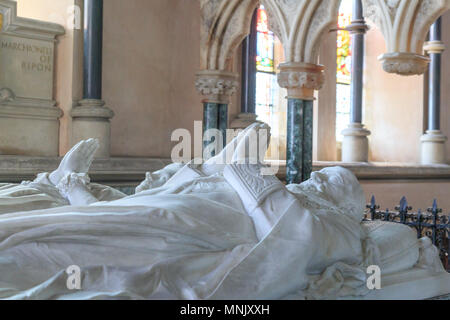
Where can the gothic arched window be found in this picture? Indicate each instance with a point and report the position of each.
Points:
(266, 82)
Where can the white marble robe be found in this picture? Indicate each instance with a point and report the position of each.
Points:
(42, 194)
(214, 237)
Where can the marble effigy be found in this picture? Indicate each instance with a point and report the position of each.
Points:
(215, 231)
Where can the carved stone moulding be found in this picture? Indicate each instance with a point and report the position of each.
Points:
(11, 24)
(92, 108)
(301, 79)
(217, 86)
(224, 25)
(405, 64)
(436, 47)
(405, 24)
(28, 126)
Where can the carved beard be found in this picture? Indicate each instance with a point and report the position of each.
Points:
(336, 190)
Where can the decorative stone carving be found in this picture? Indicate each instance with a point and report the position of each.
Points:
(6, 95)
(301, 79)
(29, 118)
(405, 64)
(217, 86)
(404, 24)
(300, 25)
(225, 24)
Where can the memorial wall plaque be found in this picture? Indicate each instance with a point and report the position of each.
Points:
(29, 118)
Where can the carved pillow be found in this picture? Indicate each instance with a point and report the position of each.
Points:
(398, 246)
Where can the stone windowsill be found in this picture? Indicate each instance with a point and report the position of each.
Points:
(113, 170)
(122, 170)
(385, 171)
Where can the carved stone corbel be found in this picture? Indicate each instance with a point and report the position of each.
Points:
(404, 24)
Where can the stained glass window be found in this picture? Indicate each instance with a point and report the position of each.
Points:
(344, 54)
(270, 103)
(343, 72)
(265, 47)
(266, 84)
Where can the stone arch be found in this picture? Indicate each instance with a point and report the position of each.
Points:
(300, 25)
(405, 24)
(225, 24)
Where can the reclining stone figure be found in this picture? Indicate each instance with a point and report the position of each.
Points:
(211, 231)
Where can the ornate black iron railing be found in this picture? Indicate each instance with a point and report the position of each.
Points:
(432, 223)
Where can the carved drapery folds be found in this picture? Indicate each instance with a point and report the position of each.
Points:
(404, 24)
(300, 25)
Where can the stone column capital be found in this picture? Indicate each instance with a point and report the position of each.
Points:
(301, 79)
(217, 86)
(437, 47)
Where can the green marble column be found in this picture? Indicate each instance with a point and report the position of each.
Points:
(215, 116)
(308, 109)
(223, 122)
(299, 140)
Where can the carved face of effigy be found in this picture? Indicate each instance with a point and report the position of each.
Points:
(338, 186)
